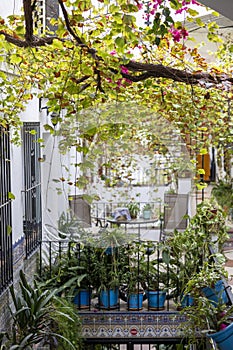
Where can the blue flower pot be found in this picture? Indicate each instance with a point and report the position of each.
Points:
(83, 299)
(135, 301)
(156, 299)
(108, 299)
(223, 338)
(186, 300)
(217, 294)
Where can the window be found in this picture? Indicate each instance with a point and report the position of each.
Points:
(6, 259)
(32, 186)
(43, 12)
(39, 16)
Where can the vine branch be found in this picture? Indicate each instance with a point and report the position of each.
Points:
(145, 70)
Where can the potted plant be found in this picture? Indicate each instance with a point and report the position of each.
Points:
(106, 259)
(221, 327)
(67, 274)
(106, 280)
(146, 211)
(83, 292)
(182, 256)
(188, 251)
(133, 267)
(134, 209)
(153, 274)
(209, 282)
(210, 311)
(206, 320)
(157, 285)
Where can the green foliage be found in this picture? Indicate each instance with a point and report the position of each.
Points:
(73, 83)
(134, 209)
(68, 224)
(106, 258)
(35, 317)
(223, 193)
(147, 206)
(68, 273)
(67, 324)
(188, 253)
(205, 317)
(106, 268)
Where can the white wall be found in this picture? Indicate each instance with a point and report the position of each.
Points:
(53, 203)
(55, 192)
(17, 188)
(9, 7)
(31, 114)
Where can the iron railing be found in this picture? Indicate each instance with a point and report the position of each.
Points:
(136, 264)
(6, 258)
(32, 223)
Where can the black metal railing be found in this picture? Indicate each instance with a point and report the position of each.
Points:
(110, 268)
(6, 258)
(32, 223)
(110, 274)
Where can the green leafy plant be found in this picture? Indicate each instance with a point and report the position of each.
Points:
(147, 206)
(188, 252)
(223, 193)
(106, 269)
(35, 315)
(147, 211)
(68, 271)
(103, 263)
(134, 209)
(204, 318)
(68, 224)
(134, 267)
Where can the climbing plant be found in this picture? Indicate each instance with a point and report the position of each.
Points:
(99, 52)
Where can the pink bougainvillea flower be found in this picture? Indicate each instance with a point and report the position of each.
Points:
(184, 33)
(178, 34)
(119, 82)
(181, 10)
(175, 34)
(124, 70)
(139, 6)
(113, 52)
(222, 326)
